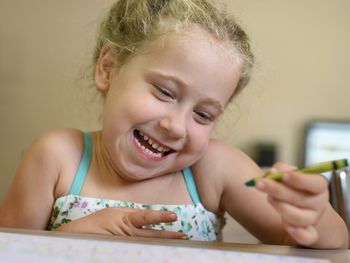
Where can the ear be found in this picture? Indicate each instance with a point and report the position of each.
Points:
(104, 68)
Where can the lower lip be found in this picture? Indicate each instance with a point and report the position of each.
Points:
(144, 154)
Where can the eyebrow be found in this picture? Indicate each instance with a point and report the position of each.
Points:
(216, 104)
(181, 83)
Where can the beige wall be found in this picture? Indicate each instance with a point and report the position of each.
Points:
(302, 49)
(302, 73)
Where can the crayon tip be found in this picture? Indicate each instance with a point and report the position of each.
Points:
(250, 183)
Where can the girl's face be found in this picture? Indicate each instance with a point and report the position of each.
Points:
(162, 105)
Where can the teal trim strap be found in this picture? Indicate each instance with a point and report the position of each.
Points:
(191, 185)
(84, 165)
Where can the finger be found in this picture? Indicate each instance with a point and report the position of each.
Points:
(140, 232)
(283, 167)
(312, 183)
(279, 167)
(293, 196)
(294, 215)
(305, 236)
(271, 170)
(148, 217)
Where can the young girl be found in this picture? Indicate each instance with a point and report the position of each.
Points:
(166, 69)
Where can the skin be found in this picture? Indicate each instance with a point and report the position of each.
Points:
(174, 93)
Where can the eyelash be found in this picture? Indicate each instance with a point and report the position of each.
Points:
(204, 118)
(164, 93)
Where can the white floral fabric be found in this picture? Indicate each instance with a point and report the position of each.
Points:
(193, 219)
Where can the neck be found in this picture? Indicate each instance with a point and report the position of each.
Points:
(102, 161)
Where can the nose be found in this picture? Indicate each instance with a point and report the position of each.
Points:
(174, 123)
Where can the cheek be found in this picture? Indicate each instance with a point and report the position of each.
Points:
(142, 110)
(132, 107)
(199, 137)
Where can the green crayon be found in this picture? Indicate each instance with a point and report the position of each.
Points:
(313, 169)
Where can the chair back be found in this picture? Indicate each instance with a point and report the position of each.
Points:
(340, 194)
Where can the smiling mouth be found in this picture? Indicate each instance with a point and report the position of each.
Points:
(149, 146)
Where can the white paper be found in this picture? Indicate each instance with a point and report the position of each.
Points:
(31, 248)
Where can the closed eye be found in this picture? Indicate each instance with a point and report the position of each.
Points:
(203, 117)
(164, 93)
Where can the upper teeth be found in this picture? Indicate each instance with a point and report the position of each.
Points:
(154, 144)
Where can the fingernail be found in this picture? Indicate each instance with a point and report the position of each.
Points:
(291, 229)
(173, 216)
(260, 185)
(272, 170)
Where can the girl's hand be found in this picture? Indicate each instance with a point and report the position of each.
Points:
(124, 222)
(301, 201)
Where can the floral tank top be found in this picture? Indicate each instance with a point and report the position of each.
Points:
(192, 219)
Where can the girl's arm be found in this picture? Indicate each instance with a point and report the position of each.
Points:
(268, 212)
(226, 169)
(123, 221)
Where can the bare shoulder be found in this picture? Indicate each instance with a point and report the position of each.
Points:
(60, 149)
(224, 160)
(58, 140)
(41, 168)
(55, 147)
(221, 165)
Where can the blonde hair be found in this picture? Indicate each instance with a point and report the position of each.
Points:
(132, 23)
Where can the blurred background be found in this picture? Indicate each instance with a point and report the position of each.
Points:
(302, 74)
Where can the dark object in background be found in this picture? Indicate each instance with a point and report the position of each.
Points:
(265, 154)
